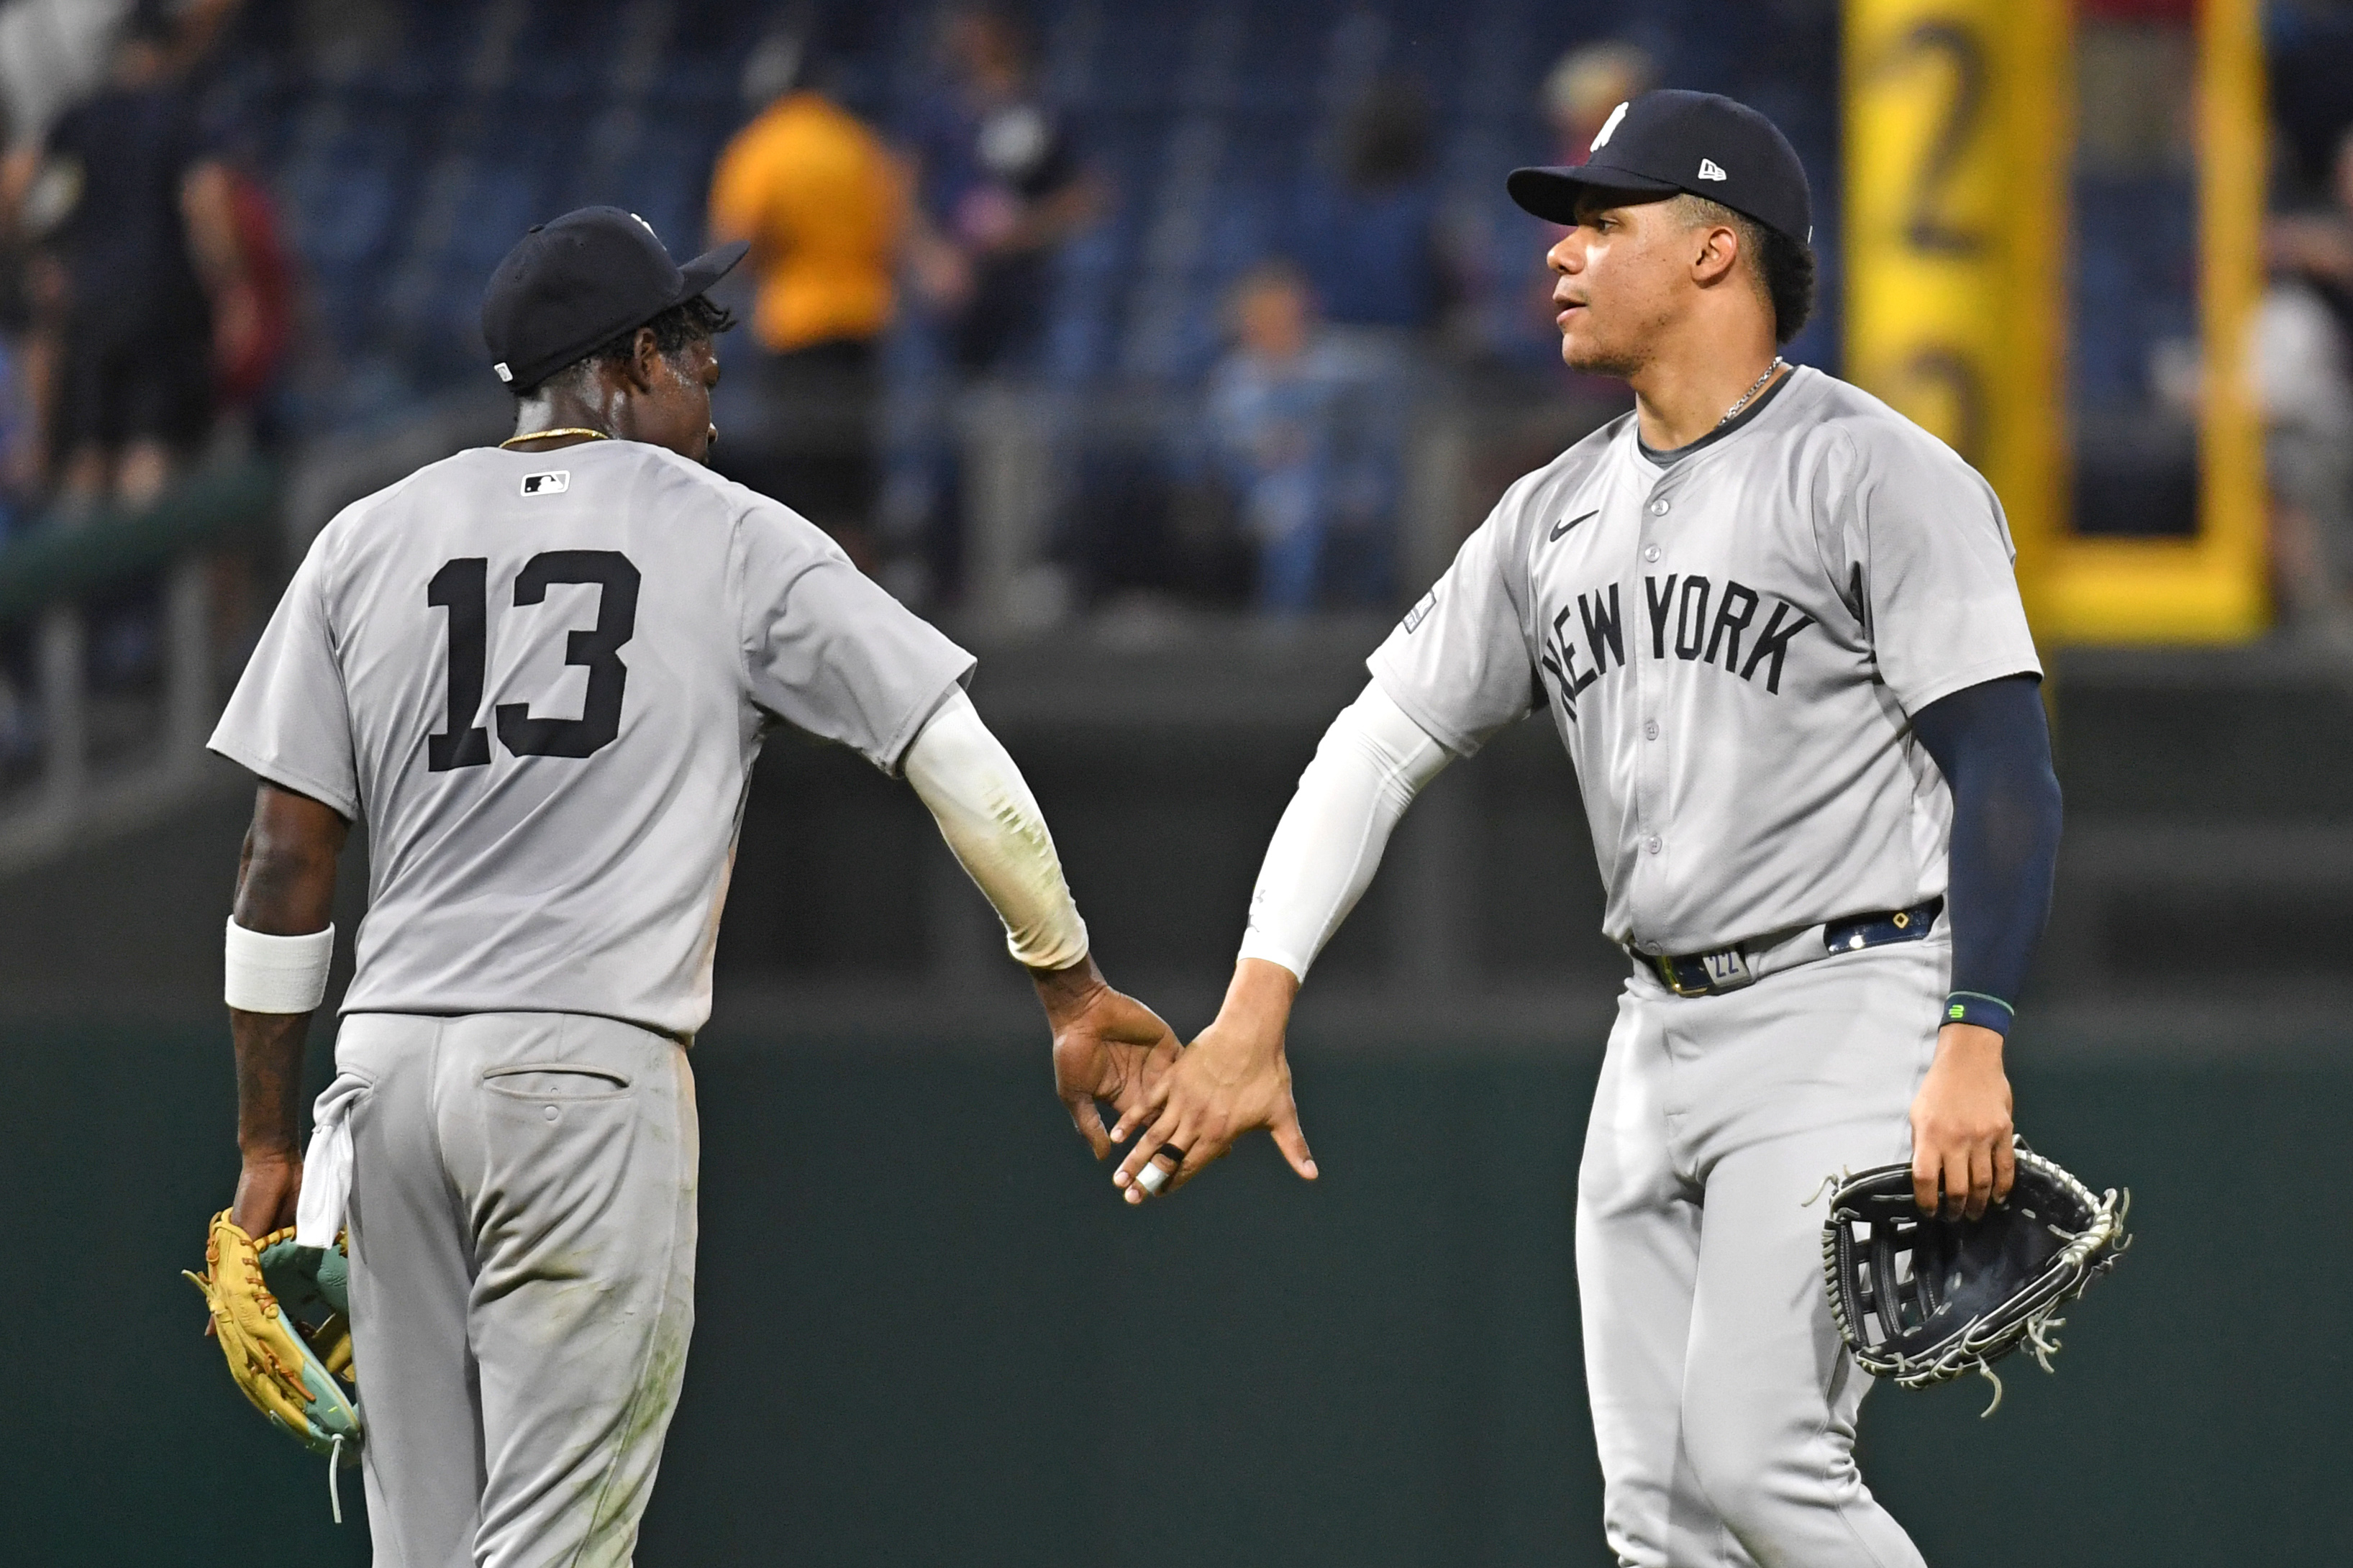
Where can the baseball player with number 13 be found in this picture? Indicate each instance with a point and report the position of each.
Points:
(542, 672)
(1775, 626)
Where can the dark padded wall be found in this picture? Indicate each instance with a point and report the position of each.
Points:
(929, 1334)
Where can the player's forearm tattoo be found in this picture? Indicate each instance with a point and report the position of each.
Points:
(268, 1078)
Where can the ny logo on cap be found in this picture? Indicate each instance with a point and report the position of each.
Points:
(1709, 170)
(1601, 137)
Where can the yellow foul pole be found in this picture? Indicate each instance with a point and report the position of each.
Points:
(1957, 136)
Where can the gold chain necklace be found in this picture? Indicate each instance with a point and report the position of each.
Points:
(1745, 397)
(547, 435)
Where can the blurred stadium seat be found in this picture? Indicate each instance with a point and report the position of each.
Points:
(409, 175)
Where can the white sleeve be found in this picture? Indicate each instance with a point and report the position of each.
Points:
(986, 811)
(1373, 761)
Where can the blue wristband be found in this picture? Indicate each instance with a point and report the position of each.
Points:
(1976, 1007)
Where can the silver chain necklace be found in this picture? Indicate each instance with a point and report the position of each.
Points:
(1750, 396)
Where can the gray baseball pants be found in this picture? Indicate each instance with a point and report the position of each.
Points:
(523, 1230)
(1724, 1402)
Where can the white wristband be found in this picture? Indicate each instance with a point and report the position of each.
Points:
(276, 973)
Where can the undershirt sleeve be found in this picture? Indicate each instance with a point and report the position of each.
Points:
(991, 821)
(1992, 744)
(1373, 761)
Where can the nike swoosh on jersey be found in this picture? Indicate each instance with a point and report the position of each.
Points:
(1560, 527)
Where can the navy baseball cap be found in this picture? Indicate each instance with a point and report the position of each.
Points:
(1670, 142)
(581, 280)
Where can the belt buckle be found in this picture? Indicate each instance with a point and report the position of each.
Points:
(1726, 969)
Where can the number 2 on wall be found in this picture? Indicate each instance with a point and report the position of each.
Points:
(462, 588)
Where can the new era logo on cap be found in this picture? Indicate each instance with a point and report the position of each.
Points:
(1710, 169)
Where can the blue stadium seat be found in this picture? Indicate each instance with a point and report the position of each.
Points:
(497, 137)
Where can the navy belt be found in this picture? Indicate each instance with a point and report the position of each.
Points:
(1729, 969)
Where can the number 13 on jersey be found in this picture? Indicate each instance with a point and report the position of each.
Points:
(462, 588)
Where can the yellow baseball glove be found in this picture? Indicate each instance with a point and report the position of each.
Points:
(281, 1314)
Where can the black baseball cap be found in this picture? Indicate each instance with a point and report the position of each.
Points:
(580, 281)
(1668, 141)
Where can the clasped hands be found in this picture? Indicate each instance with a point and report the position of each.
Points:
(1187, 1107)
(1184, 1107)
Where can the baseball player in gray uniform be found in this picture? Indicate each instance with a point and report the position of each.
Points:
(1775, 624)
(542, 673)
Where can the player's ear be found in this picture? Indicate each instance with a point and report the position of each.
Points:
(645, 363)
(1719, 252)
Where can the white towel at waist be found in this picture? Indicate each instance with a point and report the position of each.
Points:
(327, 1165)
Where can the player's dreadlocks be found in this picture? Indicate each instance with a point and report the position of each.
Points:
(688, 322)
(1784, 266)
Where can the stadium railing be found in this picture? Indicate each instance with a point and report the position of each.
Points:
(96, 754)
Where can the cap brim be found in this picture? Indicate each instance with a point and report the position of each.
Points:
(1551, 194)
(711, 265)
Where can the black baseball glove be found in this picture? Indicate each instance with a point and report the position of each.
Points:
(1923, 1300)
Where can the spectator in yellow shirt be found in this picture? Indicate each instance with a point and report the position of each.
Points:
(824, 205)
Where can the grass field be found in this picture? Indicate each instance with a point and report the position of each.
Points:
(930, 1335)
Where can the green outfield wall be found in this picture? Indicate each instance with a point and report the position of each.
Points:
(929, 1333)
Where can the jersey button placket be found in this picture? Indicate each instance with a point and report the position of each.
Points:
(1649, 759)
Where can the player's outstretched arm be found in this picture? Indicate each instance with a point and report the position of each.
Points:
(1236, 1076)
(280, 942)
(1107, 1045)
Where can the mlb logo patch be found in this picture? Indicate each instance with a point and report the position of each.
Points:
(554, 484)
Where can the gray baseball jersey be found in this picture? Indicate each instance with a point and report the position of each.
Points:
(1730, 644)
(543, 679)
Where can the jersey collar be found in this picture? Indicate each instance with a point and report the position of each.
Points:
(1668, 459)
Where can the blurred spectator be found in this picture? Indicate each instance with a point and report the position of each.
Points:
(824, 205)
(20, 459)
(1367, 232)
(2304, 349)
(53, 54)
(1585, 86)
(253, 308)
(1314, 484)
(1001, 184)
(2317, 245)
(1379, 274)
(149, 239)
